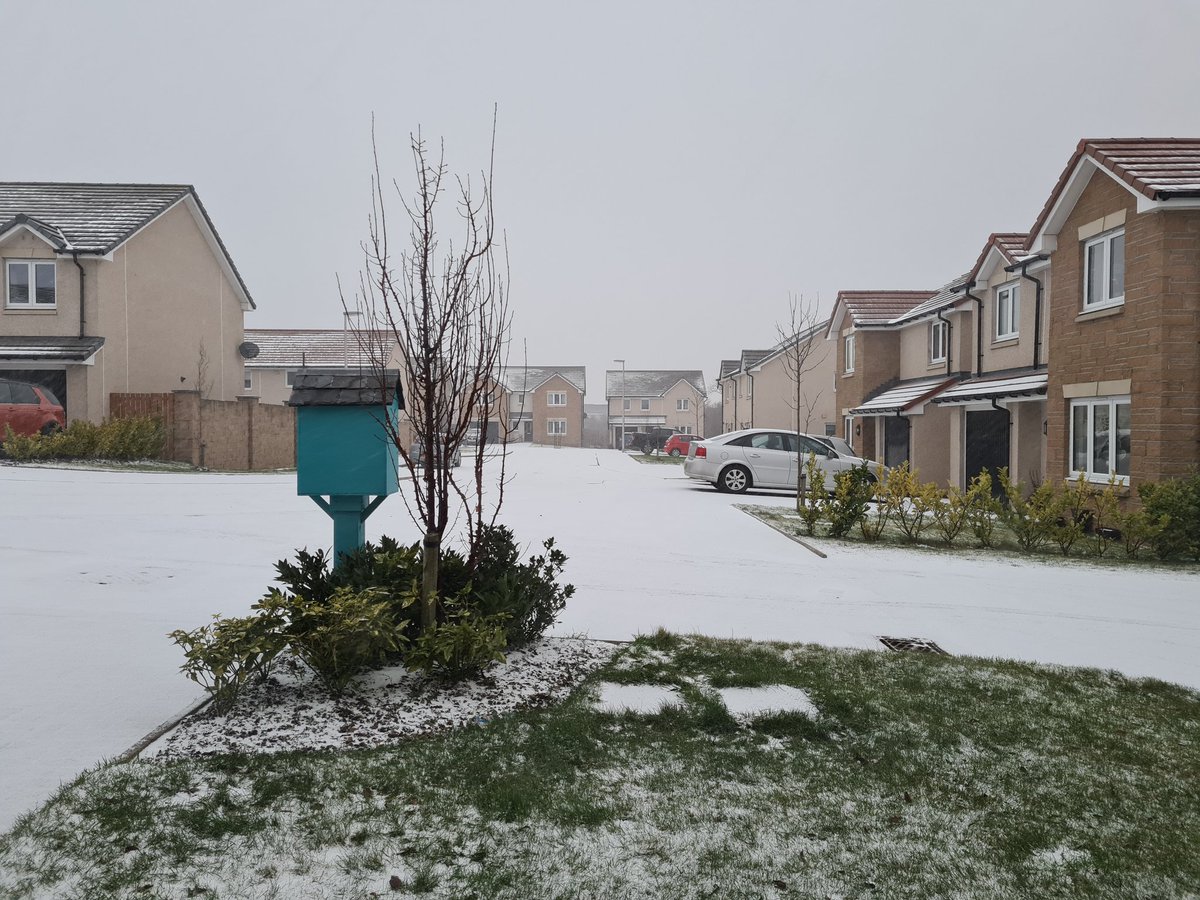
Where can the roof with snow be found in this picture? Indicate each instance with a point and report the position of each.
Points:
(1026, 385)
(520, 379)
(729, 366)
(60, 349)
(904, 397)
(650, 382)
(292, 348)
(878, 307)
(947, 296)
(345, 389)
(96, 218)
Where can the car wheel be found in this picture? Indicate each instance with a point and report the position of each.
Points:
(675, 452)
(734, 480)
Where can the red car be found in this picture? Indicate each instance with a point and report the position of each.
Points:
(29, 408)
(677, 444)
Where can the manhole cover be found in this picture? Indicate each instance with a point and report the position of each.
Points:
(913, 645)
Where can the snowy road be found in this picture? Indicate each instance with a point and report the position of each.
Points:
(98, 566)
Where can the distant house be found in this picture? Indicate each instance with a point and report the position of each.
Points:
(759, 390)
(642, 399)
(277, 355)
(545, 404)
(117, 288)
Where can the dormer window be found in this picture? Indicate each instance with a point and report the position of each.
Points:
(31, 284)
(1104, 270)
(1008, 311)
(937, 341)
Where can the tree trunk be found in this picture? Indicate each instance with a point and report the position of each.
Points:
(432, 547)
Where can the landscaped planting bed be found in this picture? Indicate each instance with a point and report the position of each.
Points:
(894, 775)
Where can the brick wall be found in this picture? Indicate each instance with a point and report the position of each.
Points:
(239, 435)
(1152, 340)
(876, 362)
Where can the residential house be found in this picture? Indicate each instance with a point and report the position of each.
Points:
(1119, 237)
(117, 288)
(759, 390)
(276, 356)
(545, 404)
(640, 399)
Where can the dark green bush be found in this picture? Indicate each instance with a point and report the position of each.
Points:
(462, 645)
(1176, 505)
(855, 489)
(339, 636)
(119, 439)
(527, 594)
(1031, 519)
(226, 654)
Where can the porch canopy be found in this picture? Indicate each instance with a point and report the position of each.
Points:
(904, 399)
(48, 349)
(1012, 388)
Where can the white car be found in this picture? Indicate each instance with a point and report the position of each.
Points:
(764, 458)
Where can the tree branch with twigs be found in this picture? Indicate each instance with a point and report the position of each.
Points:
(803, 351)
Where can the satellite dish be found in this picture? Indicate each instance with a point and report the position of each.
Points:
(248, 349)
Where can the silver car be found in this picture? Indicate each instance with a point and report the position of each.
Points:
(763, 458)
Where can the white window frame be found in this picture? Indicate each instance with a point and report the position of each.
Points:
(31, 266)
(556, 427)
(247, 380)
(1091, 404)
(627, 404)
(849, 354)
(1008, 322)
(556, 398)
(1105, 240)
(289, 377)
(937, 341)
(681, 404)
(645, 404)
(686, 429)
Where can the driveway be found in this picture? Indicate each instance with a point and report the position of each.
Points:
(99, 566)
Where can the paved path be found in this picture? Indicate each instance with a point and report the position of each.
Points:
(99, 566)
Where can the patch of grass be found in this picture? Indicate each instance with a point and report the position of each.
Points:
(921, 776)
(659, 459)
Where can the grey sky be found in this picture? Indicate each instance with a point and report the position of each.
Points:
(666, 172)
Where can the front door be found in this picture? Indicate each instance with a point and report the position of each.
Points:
(895, 440)
(528, 431)
(987, 444)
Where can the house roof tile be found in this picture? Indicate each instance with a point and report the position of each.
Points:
(729, 366)
(290, 348)
(1026, 385)
(902, 397)
(948, 295)
(344, 388)
(879, 307)
(650, 382)
(520, 379)
(62, 349)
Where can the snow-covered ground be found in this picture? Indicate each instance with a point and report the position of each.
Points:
(99, 566)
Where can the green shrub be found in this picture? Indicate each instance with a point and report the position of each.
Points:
(950, 514)
(1106, 518)
(1176, 505)
(982, 508)
(337, 637)
(876, 515)
(226, 654)
(1032, 520)
(910, 502)
(118, 439)
(848, 507)
(813, 503)
(461, 646)
(1137, 530)
(528, 595)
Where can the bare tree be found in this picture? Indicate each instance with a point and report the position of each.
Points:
(443, 301)
(803, 351)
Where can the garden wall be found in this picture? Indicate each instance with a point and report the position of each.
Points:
(241, 434)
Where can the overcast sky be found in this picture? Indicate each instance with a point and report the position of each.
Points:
(667, 173)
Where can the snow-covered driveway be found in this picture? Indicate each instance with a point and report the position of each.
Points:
(99, 566)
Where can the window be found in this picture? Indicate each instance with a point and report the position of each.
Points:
(1008, 310)
(248, 381)
(687, 429)
(556, 399)
(520, 399)
(626, 402)
(681, 405)
(290, 377)
(31, 284)
(645, 403)
(848, 423)
(937, 341)
(1100, 432)
(849, 354)
(830, 429)
(556, 426)
(1104, 270)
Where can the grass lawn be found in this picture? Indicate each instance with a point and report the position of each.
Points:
(658, 459)
(921, 776)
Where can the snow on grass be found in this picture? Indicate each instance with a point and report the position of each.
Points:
(635, 698)
(293, 711)
(746, 703)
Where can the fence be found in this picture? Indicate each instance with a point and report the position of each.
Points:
(217, 434)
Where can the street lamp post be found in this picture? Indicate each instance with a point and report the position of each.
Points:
(621, 441)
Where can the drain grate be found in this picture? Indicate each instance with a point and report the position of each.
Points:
(912, 645)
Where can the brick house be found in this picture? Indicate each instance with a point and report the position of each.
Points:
(759, 390)
(639, 399)
(117, 288)
(545, 404)
(1120, 236)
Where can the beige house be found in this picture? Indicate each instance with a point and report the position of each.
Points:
(117, 288)
(759, 390)
(545, 404)
(641, 399)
